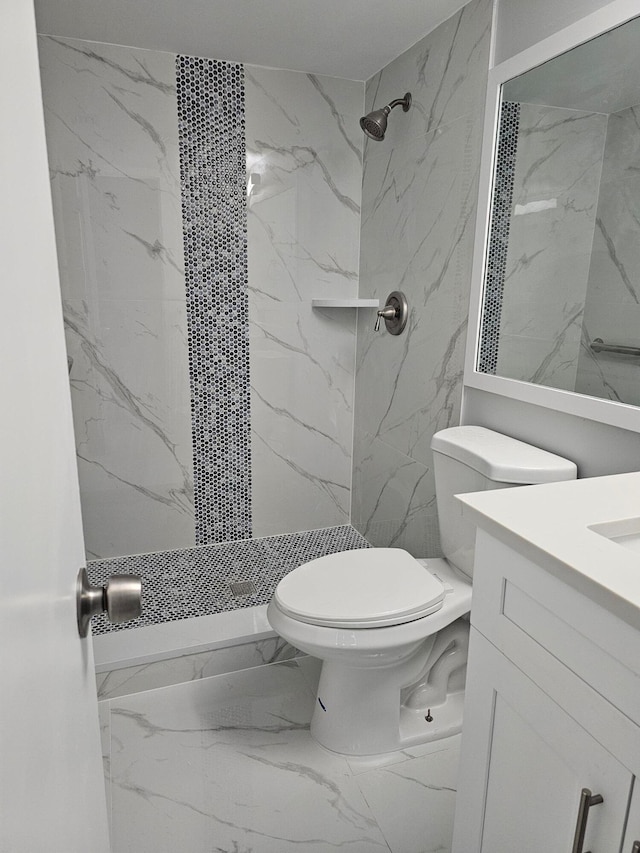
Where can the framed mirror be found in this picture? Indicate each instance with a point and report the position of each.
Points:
(555, 311)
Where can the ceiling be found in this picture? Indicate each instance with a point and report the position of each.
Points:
(352, 39)
(601, 75)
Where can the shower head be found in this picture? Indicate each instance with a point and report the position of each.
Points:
(374, 123)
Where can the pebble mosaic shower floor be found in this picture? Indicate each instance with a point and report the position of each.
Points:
(198, 581)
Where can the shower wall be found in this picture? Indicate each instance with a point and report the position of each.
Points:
(304, 155)
(418, 218)
(112, 138)
(167, 382)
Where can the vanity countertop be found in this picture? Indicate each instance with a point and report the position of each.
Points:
(551, 524)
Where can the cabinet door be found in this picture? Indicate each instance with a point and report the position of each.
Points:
(524, 764)
(632, 836)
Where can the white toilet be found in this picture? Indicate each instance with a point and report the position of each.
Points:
(386, 626)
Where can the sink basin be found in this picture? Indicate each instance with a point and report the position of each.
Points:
(625, 532)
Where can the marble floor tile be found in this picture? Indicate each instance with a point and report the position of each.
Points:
(227, 764)
(413, 801)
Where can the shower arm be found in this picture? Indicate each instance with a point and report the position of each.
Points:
(405, 103)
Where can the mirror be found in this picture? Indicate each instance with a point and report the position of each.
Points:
(561, 306)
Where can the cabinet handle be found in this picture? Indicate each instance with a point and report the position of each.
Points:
(636, 847)
(587, 799)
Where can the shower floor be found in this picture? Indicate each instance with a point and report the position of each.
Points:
(227, 764)
(194, 582)
(192, 625)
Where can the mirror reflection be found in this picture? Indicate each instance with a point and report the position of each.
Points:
(562, 282)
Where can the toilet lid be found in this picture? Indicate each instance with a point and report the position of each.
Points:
(367, 588)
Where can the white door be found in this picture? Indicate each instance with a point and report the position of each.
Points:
(51, 785)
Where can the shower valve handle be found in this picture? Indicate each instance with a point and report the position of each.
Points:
(388, 313)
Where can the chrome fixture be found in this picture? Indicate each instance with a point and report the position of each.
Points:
(599, 345)
(395, 313)
(121, 598)
(374, 123)
(587, 800)
(241, 588)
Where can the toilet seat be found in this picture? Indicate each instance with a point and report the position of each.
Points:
(367, 588)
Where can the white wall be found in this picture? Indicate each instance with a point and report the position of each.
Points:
(597, 449)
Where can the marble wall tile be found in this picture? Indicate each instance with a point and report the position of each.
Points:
(304, 171)
(418, 217)
(113, 136)
(559, 162)
(613, 296)
(425, 205)
(302, 407)
(133, 446)
(111, 125)
(394, 502)
(136, 679)
(445, 73)
(304, 167)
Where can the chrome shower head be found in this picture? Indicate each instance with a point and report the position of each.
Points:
(374, 123)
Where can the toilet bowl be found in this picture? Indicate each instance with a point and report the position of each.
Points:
(390, 629)
(358, 708)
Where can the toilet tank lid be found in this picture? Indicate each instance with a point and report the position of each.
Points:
(501, 458)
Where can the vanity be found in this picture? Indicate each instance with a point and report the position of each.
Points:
(551, 740)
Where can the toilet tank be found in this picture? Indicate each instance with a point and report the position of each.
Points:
(474, 459)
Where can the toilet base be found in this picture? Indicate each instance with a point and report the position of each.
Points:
(357, 716)
(447, 721)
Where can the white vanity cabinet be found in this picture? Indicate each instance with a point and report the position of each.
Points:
(552, 708)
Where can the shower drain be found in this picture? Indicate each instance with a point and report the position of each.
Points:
(241, 588)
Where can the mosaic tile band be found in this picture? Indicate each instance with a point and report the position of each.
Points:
(499, 236)
(195, 581)
(212, 170)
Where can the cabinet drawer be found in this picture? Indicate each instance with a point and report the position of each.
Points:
(523, 610)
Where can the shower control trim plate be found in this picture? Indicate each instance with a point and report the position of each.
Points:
(395, 313)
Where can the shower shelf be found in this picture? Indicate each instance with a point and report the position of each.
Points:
(345, 303)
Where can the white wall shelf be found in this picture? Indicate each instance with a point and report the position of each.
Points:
(345, 303)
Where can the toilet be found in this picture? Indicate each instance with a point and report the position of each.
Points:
(391, 630)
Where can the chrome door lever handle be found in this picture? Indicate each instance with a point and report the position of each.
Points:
(121, 598)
